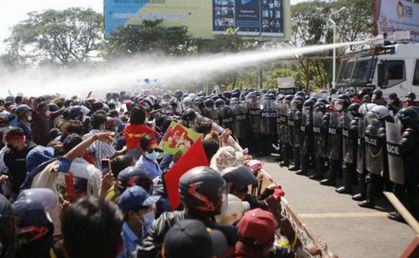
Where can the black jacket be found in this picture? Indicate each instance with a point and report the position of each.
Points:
(410, 152)
(153, 242)
(15, 161)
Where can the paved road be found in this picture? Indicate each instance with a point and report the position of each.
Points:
(349, 231)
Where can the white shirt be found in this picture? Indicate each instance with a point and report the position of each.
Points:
(101, 150)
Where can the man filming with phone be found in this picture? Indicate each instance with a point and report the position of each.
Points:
(100, 150)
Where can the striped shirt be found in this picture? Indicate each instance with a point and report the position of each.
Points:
(100, 150)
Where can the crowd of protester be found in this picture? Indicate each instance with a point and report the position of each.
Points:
(84, 177)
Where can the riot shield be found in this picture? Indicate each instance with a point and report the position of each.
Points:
(294, 120)
(306, 131)
(278, 119)
(360, 144)
(227, 118)
(243, 119)
(283, 119)
(220, 114)
(395, 158)
(319, 135)
(212, 114)
(254, 111)
(373, 147)
(348, 145)
(236, 122)
(268, 117)
(334, 141)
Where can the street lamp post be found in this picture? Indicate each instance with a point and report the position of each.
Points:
(334, 43)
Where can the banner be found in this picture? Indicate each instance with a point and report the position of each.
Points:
(194, 157)
(204, 18)
(396, 15)
(178, 139)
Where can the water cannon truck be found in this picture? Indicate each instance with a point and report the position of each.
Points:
(392, 66)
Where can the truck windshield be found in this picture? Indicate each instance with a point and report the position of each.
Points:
(355, 72)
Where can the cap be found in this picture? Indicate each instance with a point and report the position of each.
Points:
(190, 239)
(136, 197)
(258, 225)
(37, 156)
(226, 157)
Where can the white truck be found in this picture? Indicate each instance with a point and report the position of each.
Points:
(389, 67)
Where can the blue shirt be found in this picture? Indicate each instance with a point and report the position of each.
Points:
(151, 167)
(131, 241)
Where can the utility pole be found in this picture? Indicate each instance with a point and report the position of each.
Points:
(334, 43)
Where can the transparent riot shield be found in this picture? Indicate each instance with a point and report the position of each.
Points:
(395, 158)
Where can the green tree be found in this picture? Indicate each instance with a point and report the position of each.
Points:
(356, 23)
(310, 26)
(64, 37)
(151, 36)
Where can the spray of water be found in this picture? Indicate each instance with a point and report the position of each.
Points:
(124, 74)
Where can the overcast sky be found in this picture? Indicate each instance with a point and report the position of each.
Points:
(13, 11)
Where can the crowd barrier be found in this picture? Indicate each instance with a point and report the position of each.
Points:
(292, 227)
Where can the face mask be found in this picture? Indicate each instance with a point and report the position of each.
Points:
(152, 123)
(151, 156)
(147, 221)
(29, 118)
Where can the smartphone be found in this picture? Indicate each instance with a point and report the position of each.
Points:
(106, 166)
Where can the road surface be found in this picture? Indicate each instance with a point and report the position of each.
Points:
(348, 230)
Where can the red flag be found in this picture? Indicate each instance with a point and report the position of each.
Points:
(194, 157)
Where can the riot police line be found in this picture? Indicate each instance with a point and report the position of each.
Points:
(361, 138)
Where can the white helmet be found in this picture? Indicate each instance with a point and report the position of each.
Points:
(192, 96)
(187, 103)
(365, 108)
(380, 112)
(233, 212)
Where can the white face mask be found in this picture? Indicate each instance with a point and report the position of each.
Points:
(29, 118)
(151, 156)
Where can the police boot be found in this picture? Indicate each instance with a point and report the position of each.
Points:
(319, 169)
(285, 155)
(331, 181)
(394, 215)
(281, 146)
(296, 158)
(362, 195)
(347, 186)
(369, 202)
(304, 165)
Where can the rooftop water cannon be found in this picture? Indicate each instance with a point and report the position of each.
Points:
(398, 37)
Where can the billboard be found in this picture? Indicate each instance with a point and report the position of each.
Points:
(396, 15)
(204, 18)
(263, 18)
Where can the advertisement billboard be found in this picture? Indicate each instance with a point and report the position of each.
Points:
(263, 18)
(397, 15)
(204, 18)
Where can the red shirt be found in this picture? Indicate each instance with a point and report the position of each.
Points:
(133, 133)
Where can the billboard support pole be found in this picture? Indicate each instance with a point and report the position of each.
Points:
(334, 42)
